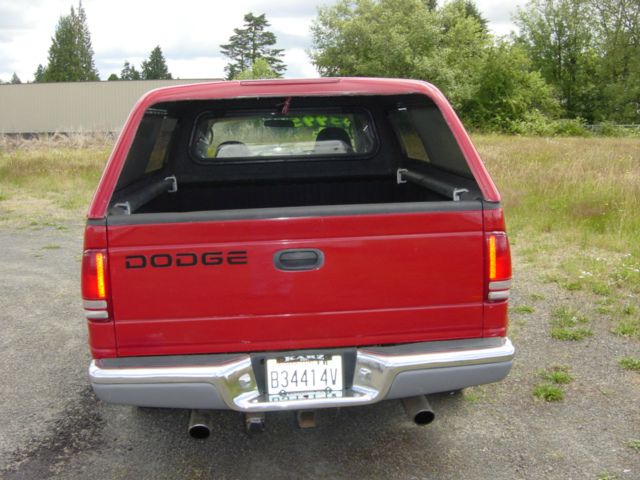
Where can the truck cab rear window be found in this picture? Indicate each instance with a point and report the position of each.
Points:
(260, 137)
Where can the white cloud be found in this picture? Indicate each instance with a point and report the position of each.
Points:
(299, 64)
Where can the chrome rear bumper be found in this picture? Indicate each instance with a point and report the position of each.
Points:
(230, 382)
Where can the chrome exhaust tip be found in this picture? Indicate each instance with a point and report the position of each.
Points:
(419, 410)
(200, 424)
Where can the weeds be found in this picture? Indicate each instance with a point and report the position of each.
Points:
(558, 374)
(634, 444)
(568, 325)
(551, 391)
(523, 309)
(630, 363)
(627, 320)
(548, 392)
(627, 328)
(606, 476)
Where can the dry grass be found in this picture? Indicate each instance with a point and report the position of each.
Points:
(44, 177)
(43, 141)
(588, 188)
(574, 204)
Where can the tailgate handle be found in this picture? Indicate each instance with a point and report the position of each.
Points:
(303, 259)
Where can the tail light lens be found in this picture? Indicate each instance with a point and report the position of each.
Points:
(498, 267)
(95, 284)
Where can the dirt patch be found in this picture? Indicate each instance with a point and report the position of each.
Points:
(76, 429)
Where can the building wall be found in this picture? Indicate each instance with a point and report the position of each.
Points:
(73, 106)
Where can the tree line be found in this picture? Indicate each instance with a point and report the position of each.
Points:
(572, 62)
(573, 59)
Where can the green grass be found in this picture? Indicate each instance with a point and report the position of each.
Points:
(634, 444)
(51, 247)
(586, 192)
(558, 374)
(606, 476)
(523, 309)
(548, 392)
(627, 328)
(627, 320)
(571, 334)
(630, 363)
(568, 324)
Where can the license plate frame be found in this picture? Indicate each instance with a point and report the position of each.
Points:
(304, 373)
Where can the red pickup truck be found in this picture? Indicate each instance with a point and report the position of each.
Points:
(294, 245)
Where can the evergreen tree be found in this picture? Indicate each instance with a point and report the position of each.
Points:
(129, 72)
(250, 43)
(155, 68)
(70, 54)
(85, 49)
(113, 77)
(39, 75)
(15, 79)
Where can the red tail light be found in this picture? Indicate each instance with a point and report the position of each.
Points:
(498, 266)
(95, 284)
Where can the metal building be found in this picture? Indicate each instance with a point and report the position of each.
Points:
(73, 106)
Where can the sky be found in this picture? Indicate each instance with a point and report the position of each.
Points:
(188, 31)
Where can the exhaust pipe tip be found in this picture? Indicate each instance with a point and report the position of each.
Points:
(424, 417)
(199, 432)
(199, 424)
(419, 410)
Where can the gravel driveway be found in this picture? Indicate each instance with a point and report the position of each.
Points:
(53, 427)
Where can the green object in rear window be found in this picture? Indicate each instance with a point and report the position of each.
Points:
(295, 136)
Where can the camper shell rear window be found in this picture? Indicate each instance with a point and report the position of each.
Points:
(264, 136)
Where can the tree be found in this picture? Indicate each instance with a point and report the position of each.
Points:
(129, 72)
(40, 74)
(15, 79)
(155, 68)
(113, 77)
(444, 45)
(250, 43)
(85, 49)
(508, 91)
(431, 4)
(558, 37)
(70, 54)
(259, 70)
(471, 10)
(618, 44)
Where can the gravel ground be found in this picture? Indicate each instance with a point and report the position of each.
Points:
(53, 427)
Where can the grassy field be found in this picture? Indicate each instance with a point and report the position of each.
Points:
(51, 178)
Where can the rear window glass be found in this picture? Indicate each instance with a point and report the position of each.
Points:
(258, 137)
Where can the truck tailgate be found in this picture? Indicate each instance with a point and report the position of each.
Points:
(213, 286)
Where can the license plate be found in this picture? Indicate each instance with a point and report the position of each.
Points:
(304, 373)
